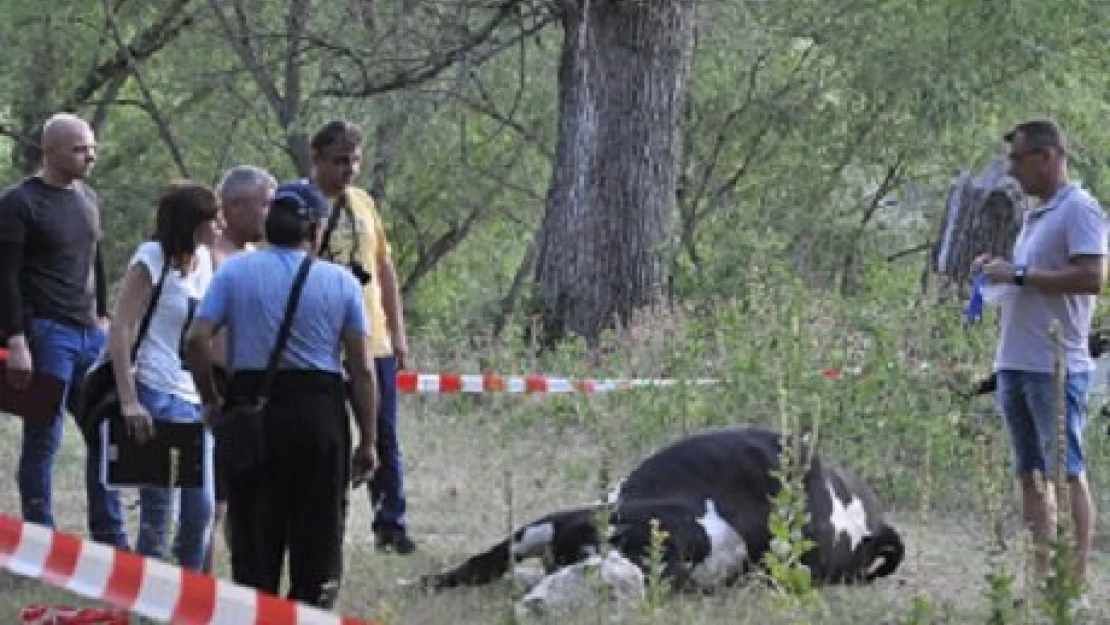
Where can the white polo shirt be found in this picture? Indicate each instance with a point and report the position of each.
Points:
(1069, 224)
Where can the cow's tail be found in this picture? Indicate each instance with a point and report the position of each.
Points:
(482, 568)
(559, 539)
(888, 553)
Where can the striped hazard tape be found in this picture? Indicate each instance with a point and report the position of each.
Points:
(142, 585)
(409, 382)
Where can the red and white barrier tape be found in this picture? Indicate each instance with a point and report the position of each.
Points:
(67, 615)
(142, 585)
(409, 382)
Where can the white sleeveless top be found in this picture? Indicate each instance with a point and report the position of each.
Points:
(160, 364)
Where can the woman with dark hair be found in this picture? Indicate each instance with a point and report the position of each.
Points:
(160, 388)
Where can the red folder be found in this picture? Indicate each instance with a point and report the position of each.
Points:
(40, 400)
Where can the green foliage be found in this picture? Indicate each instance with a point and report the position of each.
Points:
(999, 591)
(792, 126)
(921, 611)
(788, 518)
(657, 586)
(1062, 590)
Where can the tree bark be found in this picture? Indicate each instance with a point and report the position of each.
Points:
(623, 80)
(982, 217)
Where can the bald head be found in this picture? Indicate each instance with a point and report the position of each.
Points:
(68, 148)
(62, 126)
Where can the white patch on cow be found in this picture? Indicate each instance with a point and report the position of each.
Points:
(610, 532)
(727, 550)
(525, 577)
(613, 579)
(615, 493)
(533, 540)
(850, 519)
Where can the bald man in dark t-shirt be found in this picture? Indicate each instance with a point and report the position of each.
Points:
(53, 307)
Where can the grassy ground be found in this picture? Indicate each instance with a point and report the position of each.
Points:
(470, 476)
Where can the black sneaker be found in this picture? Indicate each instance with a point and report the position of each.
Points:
(395, 540)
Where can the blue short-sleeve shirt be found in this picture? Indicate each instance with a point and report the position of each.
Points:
(249, 293)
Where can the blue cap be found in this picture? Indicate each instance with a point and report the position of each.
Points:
(303, 198)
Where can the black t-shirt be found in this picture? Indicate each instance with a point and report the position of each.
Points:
(59, 230)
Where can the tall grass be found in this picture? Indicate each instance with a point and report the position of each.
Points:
(874, 375)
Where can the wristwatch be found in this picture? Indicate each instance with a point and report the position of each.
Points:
(1019, 274)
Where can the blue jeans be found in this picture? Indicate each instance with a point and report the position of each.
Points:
(387, 486)
(197, 505)
(66, 352)
(1027, 400)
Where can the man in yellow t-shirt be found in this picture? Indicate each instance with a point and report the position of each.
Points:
(354, 237)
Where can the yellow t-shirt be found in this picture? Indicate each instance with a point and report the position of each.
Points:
(372, 249)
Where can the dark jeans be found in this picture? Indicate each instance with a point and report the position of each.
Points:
(387, 487)
(66, 352)
(298, 501)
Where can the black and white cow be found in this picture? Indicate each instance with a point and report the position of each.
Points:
(711, 492)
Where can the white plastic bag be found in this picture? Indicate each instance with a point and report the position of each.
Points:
(996, 294)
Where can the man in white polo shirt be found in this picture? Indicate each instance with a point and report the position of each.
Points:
(1057, 271)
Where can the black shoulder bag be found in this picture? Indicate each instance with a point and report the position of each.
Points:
(239, 429)
(98, 397)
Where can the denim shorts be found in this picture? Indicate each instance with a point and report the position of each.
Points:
(164, 406)
(1027, 400)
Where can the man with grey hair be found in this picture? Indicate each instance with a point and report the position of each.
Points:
(1056, 273)
(244, 192)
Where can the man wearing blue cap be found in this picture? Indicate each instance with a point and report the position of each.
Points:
(294, 499)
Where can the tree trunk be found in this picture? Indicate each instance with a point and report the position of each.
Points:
(622, 85)
(982, 217)
(33, 105)
(299, 148)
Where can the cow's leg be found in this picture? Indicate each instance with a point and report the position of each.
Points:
(560, 539)
(701, 551)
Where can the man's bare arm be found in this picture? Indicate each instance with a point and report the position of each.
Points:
(364, 386)
(198, 355)
(394, 310)
(1085, 274)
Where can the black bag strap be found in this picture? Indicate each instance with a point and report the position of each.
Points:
(286, 327)
(333, 221)
(144, 325)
